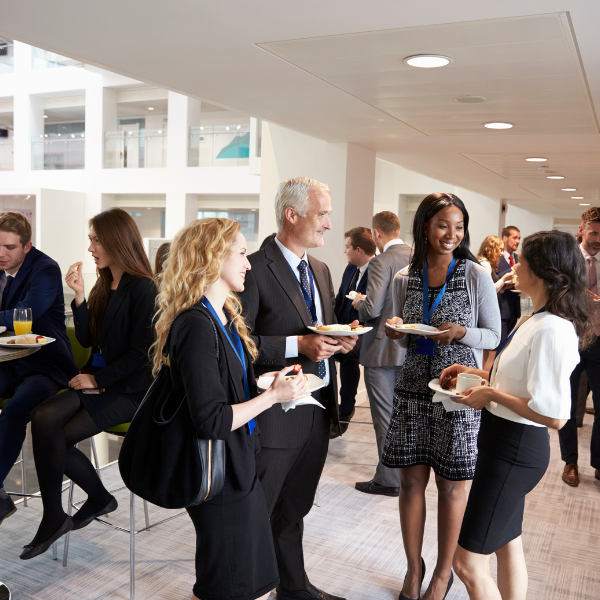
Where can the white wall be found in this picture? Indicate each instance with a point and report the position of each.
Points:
(528, 222)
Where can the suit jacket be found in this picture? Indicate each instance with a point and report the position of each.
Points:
(126, 335)
(344, 311)
(212, 385)
(274, 308)
(38, 285)
(377, 349)
(511, 302)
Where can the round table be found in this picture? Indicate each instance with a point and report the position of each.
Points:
(7, 354)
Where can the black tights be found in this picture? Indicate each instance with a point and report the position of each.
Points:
(57, 425)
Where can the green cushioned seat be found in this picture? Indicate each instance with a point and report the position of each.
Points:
(119, 429)
(80, 354)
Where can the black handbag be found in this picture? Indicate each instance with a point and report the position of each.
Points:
(162, 460)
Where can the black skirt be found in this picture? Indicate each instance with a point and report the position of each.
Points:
(235, 557)
(512, 460)
(109, 408)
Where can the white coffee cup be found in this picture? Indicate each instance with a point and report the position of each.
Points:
(466, 381)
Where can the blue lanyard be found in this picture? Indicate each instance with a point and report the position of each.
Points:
(238, 349)
(428, 312)
(309, 301)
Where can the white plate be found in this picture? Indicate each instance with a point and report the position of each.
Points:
(434, 385)
(596, 300)
(2, 329)
(415, 329)
(314, 383)
(352, 297)
(4, 342)
(342, 333)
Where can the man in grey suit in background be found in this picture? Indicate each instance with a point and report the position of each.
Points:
(381, 358)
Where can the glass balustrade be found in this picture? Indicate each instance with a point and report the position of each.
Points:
(135, 149)
(54, 152)
(7, 56)
(43, 59)
(219, 146)
(7, 152)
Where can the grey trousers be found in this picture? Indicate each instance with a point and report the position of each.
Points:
(380, 383)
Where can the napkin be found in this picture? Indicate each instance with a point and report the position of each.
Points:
(448, 403)
(306, 400)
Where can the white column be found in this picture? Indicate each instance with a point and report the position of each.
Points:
(100, 117)
(181, 209)
(183, 112)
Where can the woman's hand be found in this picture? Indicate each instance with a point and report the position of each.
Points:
(455, 332)
(83, 382)
(507, 280)
(394, 335)
(74, 279)
(477, 397)
(449, 375)
(288, 386)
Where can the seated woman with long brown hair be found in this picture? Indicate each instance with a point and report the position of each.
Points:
(210, 353)
(116, 322)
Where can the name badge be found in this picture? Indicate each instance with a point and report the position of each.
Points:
(425, 346)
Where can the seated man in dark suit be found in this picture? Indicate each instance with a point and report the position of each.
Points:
(359, 249)
(511, 302)
(287, 291)
(28, 279)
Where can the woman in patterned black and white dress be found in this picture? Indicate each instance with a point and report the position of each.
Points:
(422, 436)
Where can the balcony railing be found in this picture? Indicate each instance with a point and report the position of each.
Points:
(43, 59)
(7, 154)
(52, 152)
(7, 58)
(219, 146)
(131, 149)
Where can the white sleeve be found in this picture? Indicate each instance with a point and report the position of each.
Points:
(552, 358)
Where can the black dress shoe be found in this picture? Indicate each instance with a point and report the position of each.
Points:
(372, 487)
(32, 550)
(4, 592)
(85, 521)
(7, 506)
(402, 596)
(334, 432)
(310, 593)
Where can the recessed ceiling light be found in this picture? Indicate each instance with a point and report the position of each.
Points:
(427, 61)
(498, 125)
(576, 197)
(536, 159)
(569, 189)
(470, 99)
(584, 205)
(151, 108)
(227, 128)
(555, 177)
(201, 128)
(238, 127)
(45, 116)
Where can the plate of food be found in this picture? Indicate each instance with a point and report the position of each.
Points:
(415, 328)
(29, 340)
(340, 330)
(313, 383)
(434, 385)
(351, 295)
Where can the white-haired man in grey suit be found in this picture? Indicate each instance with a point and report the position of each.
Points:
(382, 360)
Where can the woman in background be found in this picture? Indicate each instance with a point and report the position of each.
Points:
(159, 260)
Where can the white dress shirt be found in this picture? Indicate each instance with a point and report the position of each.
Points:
(393, 243)
(587, 256)
(4, 280)
(291, 342)
(361, 272)
(507, 256)
(537, 363)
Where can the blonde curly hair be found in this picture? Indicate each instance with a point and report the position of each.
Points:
(490, 248)
(194, 263)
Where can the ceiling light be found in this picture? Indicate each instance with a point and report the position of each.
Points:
(83, 135)
(576, 197)
(45, 116)
(536, 159)
(226, 128)
(569, 189)
(470, 99)
(584, 205)
(160, 131)
(59, 134)
(427, 61)
(239, 127)
(45, 135)
(27, 198)
(498, 125)
(555, 177)
(201, 128)
(151, 108)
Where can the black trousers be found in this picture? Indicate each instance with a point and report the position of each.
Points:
(289, 477)
(590, 363)
(349, 379)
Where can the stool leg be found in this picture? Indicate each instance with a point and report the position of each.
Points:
(23, 482)
(146, 516)
(55, 551)
(132, 546)
(95, 455)
(317, 501)
(69, 512)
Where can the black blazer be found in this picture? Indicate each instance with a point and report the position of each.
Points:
(125, 336)
(274, 308)
(212, 385)
(344, 311)
(38, 285)
(511, 302)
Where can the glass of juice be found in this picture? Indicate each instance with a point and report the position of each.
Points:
(22, 320)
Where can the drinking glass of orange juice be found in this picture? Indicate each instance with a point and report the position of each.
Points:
(22, 320)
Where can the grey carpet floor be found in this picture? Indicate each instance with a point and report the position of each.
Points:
(353, 544)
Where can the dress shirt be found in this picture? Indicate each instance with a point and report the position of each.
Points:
(393, 243)
(587, 256)
(5, 279)
(537, 363)
(507, 256)
(291, 342)
(361, 272)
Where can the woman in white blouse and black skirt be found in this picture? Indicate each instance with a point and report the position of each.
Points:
(529, 391)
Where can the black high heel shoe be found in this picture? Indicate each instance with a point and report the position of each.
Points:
(450, 582)
(402, 596)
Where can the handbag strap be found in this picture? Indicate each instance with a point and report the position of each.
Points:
(199, 307)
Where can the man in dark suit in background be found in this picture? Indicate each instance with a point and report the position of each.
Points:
(511, 302)
(28, 279)
(287, 291)
(380, 356)
(359, 249)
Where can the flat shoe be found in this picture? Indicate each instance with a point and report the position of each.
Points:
(81, 523)
(33, 550)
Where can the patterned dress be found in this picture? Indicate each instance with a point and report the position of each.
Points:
(421, 432)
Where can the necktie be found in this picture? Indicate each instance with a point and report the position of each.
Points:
(302, 268)
(592, 275)
(354, 281)
(7, 286)
(511, 260)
